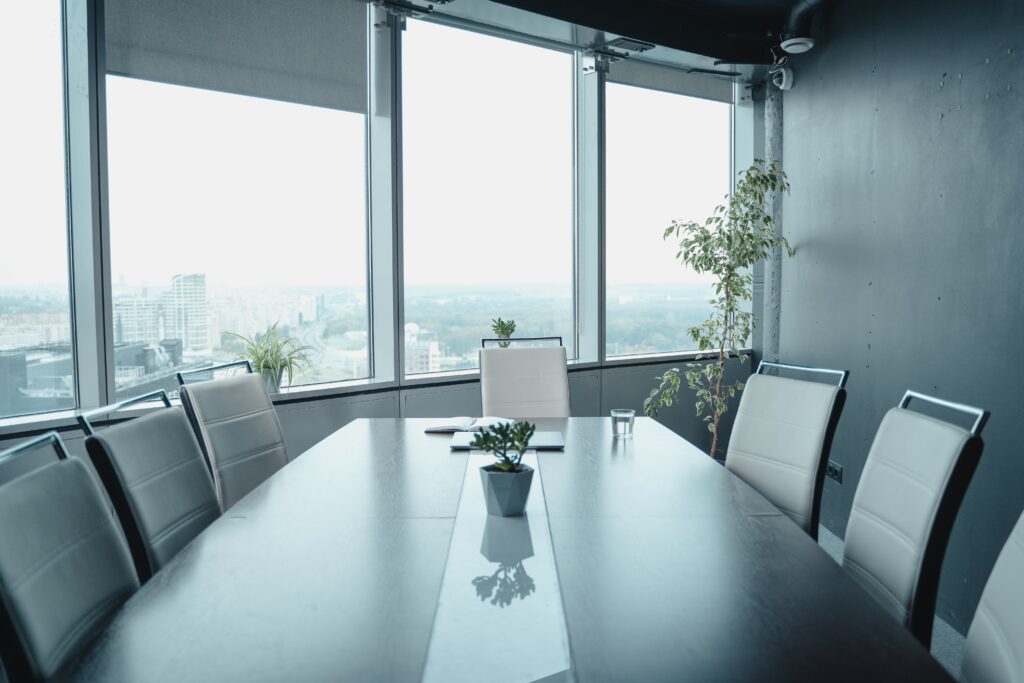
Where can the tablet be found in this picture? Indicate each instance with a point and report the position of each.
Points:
(541, 441)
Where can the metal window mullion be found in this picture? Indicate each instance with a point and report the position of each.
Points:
(88, 252)
(602, 189)
(384, 242)
(589, 169)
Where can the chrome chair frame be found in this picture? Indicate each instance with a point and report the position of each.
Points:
(51, 437)
(84, 418)
(767, 364)
(182, 376)
(981, 416)
(495, 340)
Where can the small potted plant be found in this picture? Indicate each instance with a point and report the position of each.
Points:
(272, 355)
(503, 329)
(507, 482)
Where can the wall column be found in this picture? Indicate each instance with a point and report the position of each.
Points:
(772, 312)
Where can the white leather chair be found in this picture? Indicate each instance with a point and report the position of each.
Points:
(912, 485)
(157, 479)
(238, 431)
(781, 438)
(64, 565)
(995, 641)
(524, 383)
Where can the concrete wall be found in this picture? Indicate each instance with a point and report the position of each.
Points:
(904, 140)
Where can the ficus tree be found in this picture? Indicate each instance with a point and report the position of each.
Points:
(739, 233)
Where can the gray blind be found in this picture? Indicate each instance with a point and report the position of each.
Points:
(657, 77)
(306, 51)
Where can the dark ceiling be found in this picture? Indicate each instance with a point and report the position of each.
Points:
(732, 31)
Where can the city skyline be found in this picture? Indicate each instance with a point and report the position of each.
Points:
(442, 330)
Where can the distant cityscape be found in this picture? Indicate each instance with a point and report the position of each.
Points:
(184, 325)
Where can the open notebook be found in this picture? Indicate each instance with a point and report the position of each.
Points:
(451, 425)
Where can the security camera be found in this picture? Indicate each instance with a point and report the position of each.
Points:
(782, 77)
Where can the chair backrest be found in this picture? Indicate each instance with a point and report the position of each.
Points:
(64, 566)
(913, 482)
(159, 482)
(995, 641)
(238, 431)
(522, 383)
(781, 439)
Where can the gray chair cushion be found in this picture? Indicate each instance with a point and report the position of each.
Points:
(522, 383)
(995, 641)
(238, 431)
(160, 484)
(64, 565)
(780, 439)
(906, 501)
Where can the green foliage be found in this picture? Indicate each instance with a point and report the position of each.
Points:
(507, 441)
(503, 329)
(270, 353)
(737, 235)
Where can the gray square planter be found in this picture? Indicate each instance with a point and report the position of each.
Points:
(506, 492)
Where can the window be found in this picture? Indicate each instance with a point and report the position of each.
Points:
(237, 186)
(487, 153)
(667, 158)
(36, 365)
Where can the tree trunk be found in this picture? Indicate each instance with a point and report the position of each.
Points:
(718, 392)
(726, 328)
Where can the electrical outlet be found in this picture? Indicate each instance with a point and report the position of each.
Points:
(835, 471)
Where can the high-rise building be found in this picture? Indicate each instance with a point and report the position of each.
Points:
(422, 352)
(137, 319)
(186, 311)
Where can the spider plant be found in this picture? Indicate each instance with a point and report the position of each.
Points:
(273, 354)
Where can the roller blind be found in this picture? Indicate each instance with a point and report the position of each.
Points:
(667, 79)
(305, 51)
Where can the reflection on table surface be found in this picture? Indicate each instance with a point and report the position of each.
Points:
(490, 555)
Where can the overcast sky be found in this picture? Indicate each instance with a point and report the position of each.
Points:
(253, 191)
(667, 157)
(33, 246)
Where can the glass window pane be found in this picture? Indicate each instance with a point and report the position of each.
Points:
(488, 193)
(667, 158)
(36, 368)
(230, 213)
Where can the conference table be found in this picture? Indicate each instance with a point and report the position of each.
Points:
(371, 557)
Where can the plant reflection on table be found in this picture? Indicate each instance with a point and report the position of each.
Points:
(507, 542)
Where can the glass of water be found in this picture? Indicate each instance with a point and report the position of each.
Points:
(622, 423)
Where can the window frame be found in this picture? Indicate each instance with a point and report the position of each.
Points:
(75, 30)
(658, 78)
(439, 18)
(88, 220)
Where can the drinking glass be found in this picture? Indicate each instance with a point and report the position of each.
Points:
(622, 423)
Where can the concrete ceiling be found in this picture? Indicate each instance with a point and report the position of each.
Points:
(730, 31)
(727, 38)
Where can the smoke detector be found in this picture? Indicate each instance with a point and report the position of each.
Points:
(797, 44)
